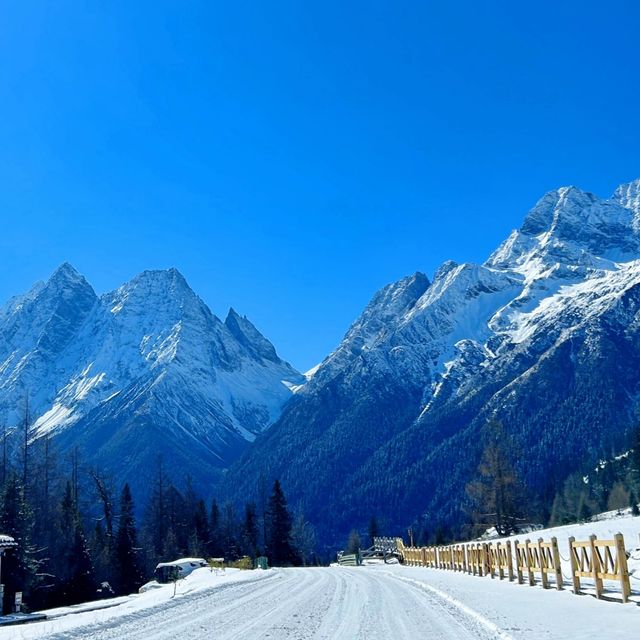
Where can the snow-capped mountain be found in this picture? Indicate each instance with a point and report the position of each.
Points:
(141, 371)
(544, 336)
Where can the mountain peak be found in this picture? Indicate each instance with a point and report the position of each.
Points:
(66, 273)
(161, 275)
(574, 227)
(556, 206)
(249, 337)
(628, 195)
(167, 283)
(444, 269)
(67, 282)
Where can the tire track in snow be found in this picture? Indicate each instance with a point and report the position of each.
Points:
(448, 603)
(302, 604)
(178, 612)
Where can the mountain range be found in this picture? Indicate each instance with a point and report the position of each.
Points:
(544, 336)
(142, 373)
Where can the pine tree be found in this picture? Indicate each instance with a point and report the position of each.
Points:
(76, 576)
(127, 573)
(156, 521)
(214, 546)
(279, 547)
(353, 543)
(573, 503)
(250, 530)
(103, 539)
(303, 539)
(200, 530)
(19, 567)
(634, 472)
(618, 497)
(373, 530)
(496, 493)
(229, 532)
(178, 520)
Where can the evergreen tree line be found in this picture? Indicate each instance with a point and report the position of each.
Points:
(498, 498)
(78, 538)
(607, 485)
(56, 562)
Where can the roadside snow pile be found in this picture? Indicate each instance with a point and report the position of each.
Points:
(604, 526)
(102, 612)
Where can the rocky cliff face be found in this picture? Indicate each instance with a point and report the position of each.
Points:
(543, 336)
(143, 371)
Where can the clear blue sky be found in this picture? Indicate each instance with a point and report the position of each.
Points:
(290, 158)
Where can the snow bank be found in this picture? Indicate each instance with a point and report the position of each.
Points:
(103, 612)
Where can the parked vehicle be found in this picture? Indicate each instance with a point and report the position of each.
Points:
(172, 571)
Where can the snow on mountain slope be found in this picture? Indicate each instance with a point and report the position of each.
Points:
(535, 336)
(574, 256)
(150, 352)
(36, 331)
(628, 195)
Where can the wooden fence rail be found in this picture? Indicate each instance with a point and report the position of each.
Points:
(596, 559)
(477, 559)
(501, 560)
(600, 560)
(539, 558)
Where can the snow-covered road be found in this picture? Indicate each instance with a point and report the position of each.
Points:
(291, 603)
(372, 603)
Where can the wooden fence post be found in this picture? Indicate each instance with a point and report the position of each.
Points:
(543, 574)
(574, 567)
(595, 565)
(527, 551)
(557, 567)
(623, 570)
(509, 561)
(518, 564)
(464, 558)
(491, 560)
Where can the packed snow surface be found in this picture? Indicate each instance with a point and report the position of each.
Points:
(375, 602)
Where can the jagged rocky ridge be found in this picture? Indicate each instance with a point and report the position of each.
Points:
(141, 372)
(543, 336)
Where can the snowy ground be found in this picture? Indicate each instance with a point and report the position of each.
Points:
(383, 602)
(376, 602)
(605, 526)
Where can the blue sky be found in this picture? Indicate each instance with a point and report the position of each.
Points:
(290, 158)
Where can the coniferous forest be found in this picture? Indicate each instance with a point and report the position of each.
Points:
(81, 536)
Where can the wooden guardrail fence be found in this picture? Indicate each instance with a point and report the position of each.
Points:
(600, 560)
(501, 560)
(595, 559)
